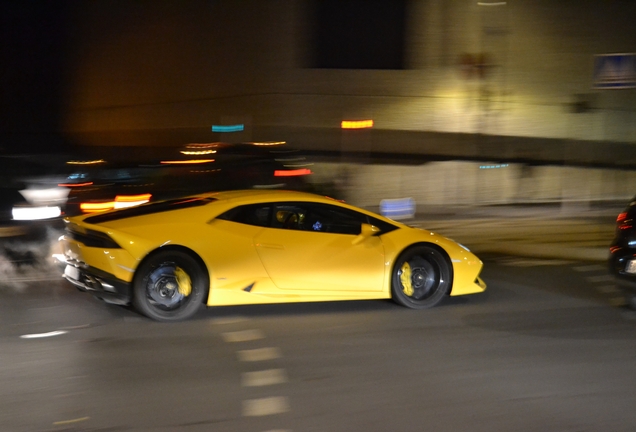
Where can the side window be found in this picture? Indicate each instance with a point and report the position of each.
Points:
(304, 216)
(336, 220)
(255, 214)
(289, 216)
(317, 218)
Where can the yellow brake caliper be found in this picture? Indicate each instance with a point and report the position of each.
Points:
(405, 279)
(183, 281)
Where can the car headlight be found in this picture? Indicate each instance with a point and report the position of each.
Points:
(36, 213)
(464, 247)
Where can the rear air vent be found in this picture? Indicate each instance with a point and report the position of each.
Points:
(92, 238)
(146, 209)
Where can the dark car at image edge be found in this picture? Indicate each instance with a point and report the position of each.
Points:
(622, 260)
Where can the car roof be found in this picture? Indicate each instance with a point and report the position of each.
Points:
(224, 200)
(249, 195)
(254, 196)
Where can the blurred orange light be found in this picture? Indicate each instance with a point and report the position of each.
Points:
(197, 152)
(74, 184)
(191, 161)
(356, 124)
(88, 162)
(269, 143)
(292, 173)
(203, 145)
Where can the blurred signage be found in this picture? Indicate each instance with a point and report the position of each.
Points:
(228, 128)
(400, 208)
(612, 71)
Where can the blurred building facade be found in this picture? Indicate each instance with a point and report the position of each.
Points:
(491, 83)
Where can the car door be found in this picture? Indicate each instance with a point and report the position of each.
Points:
(313, 246)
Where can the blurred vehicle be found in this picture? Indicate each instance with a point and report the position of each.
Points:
(250, 246)
(97, 186)
(622, 260)
(30, 200)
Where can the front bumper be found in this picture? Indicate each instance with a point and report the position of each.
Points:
(101, 284)
(622, 264)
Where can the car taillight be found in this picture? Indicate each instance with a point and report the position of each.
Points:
(623, 222)
(95, 207)
(121, 201)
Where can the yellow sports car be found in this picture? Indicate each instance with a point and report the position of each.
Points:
(259, 246)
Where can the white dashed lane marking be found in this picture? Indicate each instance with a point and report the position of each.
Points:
(602, 278)
(608, 289)
(603, 283)
(617, 301)
(243, 336)
(43, 335)
(590, 268)
(264, 378)
(265, 406)
(259, 354)
(229, 320)
(67, 422)
(531, 262)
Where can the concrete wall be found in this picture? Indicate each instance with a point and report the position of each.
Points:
(455, 183)
(157, 65)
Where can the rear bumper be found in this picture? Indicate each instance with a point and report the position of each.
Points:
(101, 284)
(619, 266)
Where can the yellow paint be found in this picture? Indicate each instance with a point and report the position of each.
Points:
(282, 266)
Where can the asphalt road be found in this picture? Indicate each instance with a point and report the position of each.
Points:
(549, 346)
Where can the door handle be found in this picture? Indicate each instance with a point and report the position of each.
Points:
(270, 245)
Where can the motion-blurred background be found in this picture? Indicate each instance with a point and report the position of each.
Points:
(471, 102)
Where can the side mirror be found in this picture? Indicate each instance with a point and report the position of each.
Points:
(366, 231)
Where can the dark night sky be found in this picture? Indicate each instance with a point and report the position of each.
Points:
(358, 34)
(39, 39)
(33, 54)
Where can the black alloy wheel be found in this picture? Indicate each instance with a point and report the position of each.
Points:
(421, 277)
(170, 286)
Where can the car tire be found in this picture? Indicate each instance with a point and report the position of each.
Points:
(170, 286)
(422, 277)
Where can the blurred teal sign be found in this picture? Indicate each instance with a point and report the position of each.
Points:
(228, 128)
(613, 71)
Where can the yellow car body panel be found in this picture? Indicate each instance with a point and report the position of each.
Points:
(250, 264)
(331, 263)
(118, 262)
(466, 266)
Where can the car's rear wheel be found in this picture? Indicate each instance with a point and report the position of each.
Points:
(421, 277)
(170, 286)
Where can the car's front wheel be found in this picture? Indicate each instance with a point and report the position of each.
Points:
(421, 277)
(170, 286)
